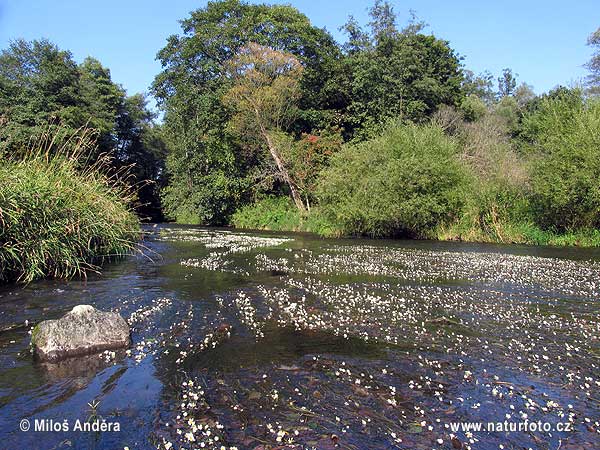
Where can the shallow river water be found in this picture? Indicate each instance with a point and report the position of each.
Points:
(255, 340)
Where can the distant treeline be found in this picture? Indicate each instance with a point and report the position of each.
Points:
(271, 123)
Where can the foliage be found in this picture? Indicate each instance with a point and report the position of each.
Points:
(479, 86)
(42, 88)
(280, 214)
(383, 74)
(593, 65)
(507, 83)
(563, 137)
(193, 84)
(265, 90)
(58, 221)
(404, 75)
(473, 108)
(203, 191)
(405, 182)
(270, 213)
(307, 157)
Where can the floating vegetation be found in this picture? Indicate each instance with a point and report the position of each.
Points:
(467, 337)
(358, 346)
(227, 242)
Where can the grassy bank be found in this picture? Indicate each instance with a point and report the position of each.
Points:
(57, 220)
(280, 214)
(518, 233)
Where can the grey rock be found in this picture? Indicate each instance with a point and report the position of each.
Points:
(83, 331)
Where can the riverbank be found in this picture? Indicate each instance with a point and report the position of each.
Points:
(60, 221)
(279, 214)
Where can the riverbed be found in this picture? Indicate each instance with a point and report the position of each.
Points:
(258, 340)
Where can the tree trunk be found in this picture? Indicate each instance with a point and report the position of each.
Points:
(286, 176)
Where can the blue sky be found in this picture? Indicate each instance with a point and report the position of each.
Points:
(542, 41)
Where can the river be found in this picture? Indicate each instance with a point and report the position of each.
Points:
(260, 340)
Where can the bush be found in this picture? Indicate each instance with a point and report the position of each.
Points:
(565, 143)
(59, 221)
(405, 182)
(494, 211)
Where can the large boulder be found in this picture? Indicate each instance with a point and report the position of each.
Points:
(82, 331)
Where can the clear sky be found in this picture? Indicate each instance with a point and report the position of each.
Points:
(544, 41)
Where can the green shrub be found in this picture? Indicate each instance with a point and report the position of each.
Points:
(405, 182)
(564, 138)
(57, 220)
(497, 200)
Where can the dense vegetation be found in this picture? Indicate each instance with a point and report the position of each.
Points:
(44, 91)
(270, 123)
(406, 181)
(57, 219)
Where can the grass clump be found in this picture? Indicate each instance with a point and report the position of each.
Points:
(60, 219)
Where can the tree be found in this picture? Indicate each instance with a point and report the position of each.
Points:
(42, 87)
(358, 39)
(562, 133)
(307, 157)
(43, 91)
(383, 20)
(479, 85)
(38, 87)
(264, 95)
(100, 103)
(593, 64)
(210, 170)
(141, 148)
(507, 83)
(406, 77)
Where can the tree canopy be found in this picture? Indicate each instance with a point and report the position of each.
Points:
(378, 75)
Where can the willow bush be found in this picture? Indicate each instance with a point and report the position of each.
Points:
(564, 140)
(404, 183)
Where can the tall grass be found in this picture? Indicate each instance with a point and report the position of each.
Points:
(60, 216)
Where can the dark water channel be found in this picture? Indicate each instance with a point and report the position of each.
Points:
(269, 340)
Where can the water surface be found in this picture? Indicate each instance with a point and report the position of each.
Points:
(261, 340)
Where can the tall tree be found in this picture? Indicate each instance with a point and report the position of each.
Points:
(507, 83)
(208, 168)
(405, 77)
(480, 85)
(141, 148)
(264, 95)
(383, 20)
(39, 85)
(358, 39)
(43, 90)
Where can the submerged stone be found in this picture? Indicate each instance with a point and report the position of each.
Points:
(82, 331)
